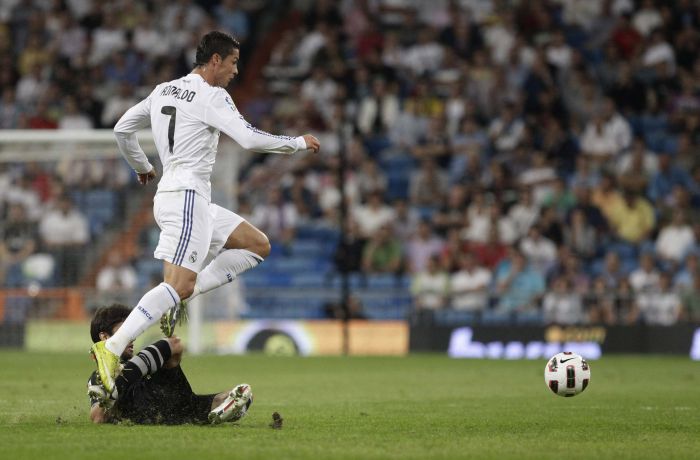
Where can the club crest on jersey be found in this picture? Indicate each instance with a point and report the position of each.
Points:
(193, 257)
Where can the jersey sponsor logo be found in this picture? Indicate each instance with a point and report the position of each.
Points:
(193, 256)
(178, 93)
(145, 312)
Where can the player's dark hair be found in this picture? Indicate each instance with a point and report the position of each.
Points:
(106, 318)
(215, 42)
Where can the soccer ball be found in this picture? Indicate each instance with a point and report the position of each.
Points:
(567, 374)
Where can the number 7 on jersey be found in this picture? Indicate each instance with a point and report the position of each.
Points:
(172, 111)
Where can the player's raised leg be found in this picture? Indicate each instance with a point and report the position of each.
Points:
(245, 248)
(242, 247)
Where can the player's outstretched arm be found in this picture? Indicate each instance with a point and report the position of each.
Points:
(222, 114)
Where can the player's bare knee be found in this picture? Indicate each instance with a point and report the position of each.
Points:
(176, 346)
(184, 289)
(261, 246)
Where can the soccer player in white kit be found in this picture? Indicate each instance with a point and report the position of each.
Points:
(202, 245)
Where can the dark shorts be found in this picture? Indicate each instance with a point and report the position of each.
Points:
(164, 398)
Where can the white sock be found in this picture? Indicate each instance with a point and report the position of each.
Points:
(223, 269)
(146, 313)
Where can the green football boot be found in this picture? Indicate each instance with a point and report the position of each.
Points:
(107, 365)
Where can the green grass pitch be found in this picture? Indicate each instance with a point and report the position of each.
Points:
(423, 406)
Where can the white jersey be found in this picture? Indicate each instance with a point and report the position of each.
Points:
(186, 116)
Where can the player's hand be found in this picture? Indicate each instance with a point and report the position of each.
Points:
(146, 178)
(312, 143)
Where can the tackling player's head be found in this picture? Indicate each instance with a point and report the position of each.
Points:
(106, 322)
(217, 58)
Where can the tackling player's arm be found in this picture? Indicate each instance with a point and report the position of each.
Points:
(99, 413)
(222, 114)
(136, 118)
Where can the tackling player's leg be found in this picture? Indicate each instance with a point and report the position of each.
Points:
(231, 406)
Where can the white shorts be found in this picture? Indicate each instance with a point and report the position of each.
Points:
(192, 230)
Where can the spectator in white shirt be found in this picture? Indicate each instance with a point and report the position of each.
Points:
(638, 154)
(379, 110)
(64, 232)
(469, 286)
(562, 305)
(507, 130)
(118, 104)
(647, 18)
(540, 252)
(72, 118)
(107, 38)
(117, 279)
(659, 54)
(559, 54)
(374, 214)
(646, 276)
(277, 218)
(429, 287)
(660, 306)
(597, 143)
(320, 90)
(524, 212)
(675, 239)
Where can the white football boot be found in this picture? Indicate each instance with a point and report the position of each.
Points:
(234, 407)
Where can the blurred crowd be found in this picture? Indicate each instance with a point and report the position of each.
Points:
(507, 156)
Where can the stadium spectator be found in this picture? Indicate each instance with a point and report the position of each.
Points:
(382, 253)
(646, 276)
(378, 110)
(658, 306)
(601, 303)
(683, 278)
(518, 286)
(19, 241)
(581, 236)
(507, 130)
(562, 305)
(539, 251)
(278, 217)
(612, 271)
(524, 212)
(373, 215)
(72, 118)
(423, 246)
(116, 105)
(469, 285)
(490, 252)
(690, 299)
(666, 178)
(371, 178)
(117, 279)
(632, 219)
(675, 239)
(64, 232)
(348, 254)
(430, 286)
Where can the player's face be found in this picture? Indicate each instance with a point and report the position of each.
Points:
(228, 69)
(129, 350)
